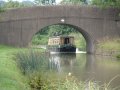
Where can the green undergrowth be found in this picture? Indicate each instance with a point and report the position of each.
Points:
(10, 75)
(45, 81)
(109, 44)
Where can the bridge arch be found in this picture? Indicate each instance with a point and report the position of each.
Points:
(17, 26)
(88, 38)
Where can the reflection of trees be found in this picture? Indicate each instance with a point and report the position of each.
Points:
(54, 63)
(58, 60)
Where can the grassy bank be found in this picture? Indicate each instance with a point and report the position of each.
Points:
(109, 46)
(10, 75)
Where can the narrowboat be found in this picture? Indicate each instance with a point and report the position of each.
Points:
(61, 44)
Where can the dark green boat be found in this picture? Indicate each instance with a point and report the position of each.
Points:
(61, 44)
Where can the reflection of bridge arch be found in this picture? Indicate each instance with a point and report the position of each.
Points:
(17, 26)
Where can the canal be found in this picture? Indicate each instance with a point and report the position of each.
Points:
(84, 67)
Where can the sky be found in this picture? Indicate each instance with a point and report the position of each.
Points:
(29, 0)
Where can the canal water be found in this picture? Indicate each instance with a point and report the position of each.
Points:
(85, 67)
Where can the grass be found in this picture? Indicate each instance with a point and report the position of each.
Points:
(10, 75)
(109, 44)
(109, 47)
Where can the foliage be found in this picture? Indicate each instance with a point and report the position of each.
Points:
(44, 2)
(106, 3)
(12, 4)
(40, 82)
(31, 61)
(109, 44)
(39, 39)
(101, 3)
(80, 41)
(74, 2)
(10, 76)
(15, 4)
(56, 30)
(2, 9)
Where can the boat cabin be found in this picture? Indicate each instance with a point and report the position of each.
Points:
(61, 40)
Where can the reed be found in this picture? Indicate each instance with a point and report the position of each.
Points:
(32, 61)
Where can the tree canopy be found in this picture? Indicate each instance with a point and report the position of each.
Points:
(106, 3)
(101, 3)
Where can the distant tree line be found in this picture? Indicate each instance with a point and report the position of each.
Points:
(27, 3)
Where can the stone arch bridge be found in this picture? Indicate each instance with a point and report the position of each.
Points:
(17, 26)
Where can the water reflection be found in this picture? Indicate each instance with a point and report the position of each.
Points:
(87, 67)
(58, 61)
(90, 67)
(55, 63)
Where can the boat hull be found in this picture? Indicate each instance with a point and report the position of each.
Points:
(66, 48)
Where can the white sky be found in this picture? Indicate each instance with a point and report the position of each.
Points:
(29, 0)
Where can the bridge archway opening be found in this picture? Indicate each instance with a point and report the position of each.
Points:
(83, 40)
